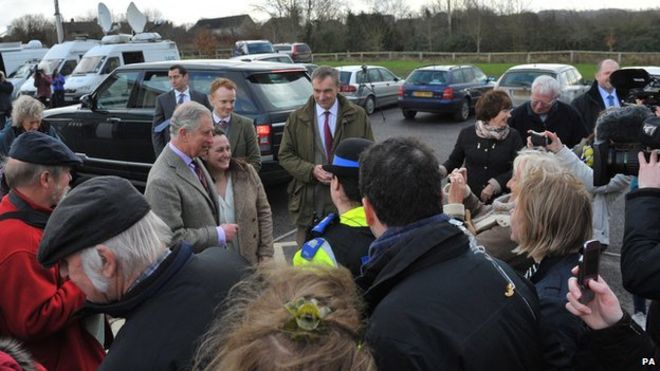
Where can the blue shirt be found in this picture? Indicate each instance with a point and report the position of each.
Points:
(604, 94)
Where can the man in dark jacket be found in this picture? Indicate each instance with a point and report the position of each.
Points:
(111, 245)
(436, 302)
(544, 112)
(6, 88)
(640, 253)
(311, 135)
(166, 103)
(600, 96)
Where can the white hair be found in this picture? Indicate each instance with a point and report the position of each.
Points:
(134, 249)
(188, 116)
(546, 85)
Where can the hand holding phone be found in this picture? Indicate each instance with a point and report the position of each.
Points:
(538, 139)
(588, 269)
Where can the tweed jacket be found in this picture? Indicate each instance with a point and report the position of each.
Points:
(253, 214)
(297, 155)
(178, 197)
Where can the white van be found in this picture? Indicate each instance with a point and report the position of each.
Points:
(14, 54)
(115, 51)
(62, 58)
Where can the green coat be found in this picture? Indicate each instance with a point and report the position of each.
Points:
(297, 156)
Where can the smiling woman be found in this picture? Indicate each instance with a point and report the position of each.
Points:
(242, 201)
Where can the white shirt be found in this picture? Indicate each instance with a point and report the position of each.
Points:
(332, 120)
(186, 95)
(604, 94)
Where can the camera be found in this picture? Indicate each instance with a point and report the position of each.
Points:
(635, 85)
(620, 135)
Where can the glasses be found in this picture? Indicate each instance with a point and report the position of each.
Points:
(544, 104)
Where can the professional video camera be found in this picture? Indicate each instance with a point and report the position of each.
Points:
(621, 133)
(635, 85)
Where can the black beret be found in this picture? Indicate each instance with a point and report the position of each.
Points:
(36, 147)
(347, 157)
(92, 213)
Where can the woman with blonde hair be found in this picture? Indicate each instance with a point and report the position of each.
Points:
(491, 224)
(289, 318)
(550, 221)
(25, 116)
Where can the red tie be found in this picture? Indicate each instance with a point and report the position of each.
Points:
(200, 175)
(327, 136)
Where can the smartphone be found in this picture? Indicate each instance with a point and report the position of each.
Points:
(538, 139)
(588, 268)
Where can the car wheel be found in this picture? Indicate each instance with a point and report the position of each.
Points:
(370, 105)
(463, 111)
(409, 114)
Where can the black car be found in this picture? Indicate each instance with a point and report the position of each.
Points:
(111, 128)
(443, 89)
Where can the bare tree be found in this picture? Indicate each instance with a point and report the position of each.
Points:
(32, 27)
(397, 8)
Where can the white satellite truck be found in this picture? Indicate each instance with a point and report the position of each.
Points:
(62, 58)
(14, 54)
(115, 51)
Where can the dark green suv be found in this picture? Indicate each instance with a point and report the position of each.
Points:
(111, 128)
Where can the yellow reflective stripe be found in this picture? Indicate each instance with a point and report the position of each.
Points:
(354, 217)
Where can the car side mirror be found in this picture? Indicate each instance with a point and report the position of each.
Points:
(396, 79)
(87, 101)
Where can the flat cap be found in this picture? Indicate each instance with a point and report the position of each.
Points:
(36, 147)
(92, 213)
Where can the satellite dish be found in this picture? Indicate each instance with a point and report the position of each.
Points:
(105, 18)
(135, 18)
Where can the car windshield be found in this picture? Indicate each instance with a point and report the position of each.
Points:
(282, 48)
(49, 65)
(23, 71)
(282, 90)
(522, 78)
(259, 48)
(427, 77)
(89, 65)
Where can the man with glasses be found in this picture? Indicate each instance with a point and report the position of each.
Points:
(545, 112)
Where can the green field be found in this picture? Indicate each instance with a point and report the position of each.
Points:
(402, 67)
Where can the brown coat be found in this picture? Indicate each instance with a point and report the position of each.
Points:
(253, 214)
(297, 155)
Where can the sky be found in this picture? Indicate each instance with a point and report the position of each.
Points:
(189, 11)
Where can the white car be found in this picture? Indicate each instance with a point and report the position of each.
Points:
(377, 87)
(517, 81)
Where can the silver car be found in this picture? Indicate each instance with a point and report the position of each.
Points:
(517, 81)
(369, 86)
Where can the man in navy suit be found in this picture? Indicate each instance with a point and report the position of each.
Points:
(167, 102)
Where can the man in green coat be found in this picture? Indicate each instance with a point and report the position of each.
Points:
(310, 136)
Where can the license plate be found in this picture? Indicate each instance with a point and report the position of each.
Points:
(521, 93)
(423, 94)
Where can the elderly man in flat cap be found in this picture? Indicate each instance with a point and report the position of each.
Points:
(36, 305)
(108, 242)
(180, 189)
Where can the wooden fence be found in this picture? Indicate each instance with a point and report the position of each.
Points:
(561, 56)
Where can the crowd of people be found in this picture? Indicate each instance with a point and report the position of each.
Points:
(393, 271)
